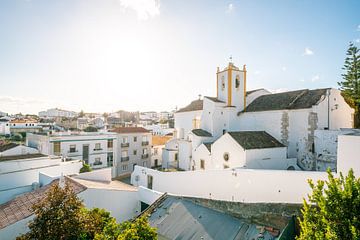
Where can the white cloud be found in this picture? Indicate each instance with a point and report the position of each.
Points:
(315, 78)
(284, 69)
(230, 8)
(358, 28)
(357, 40)
(308, 52)
(145, 9)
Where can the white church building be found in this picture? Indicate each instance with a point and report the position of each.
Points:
(257, 129)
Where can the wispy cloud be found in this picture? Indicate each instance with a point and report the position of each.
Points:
(145, 9)
(308, 52)
(230, 8)
(284, 69)
(357, 40)
(358, 28)
(315, 78)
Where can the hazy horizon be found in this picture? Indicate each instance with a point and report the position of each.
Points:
(152, 55)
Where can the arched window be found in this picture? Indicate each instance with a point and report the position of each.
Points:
(237, 81)
(222, 83)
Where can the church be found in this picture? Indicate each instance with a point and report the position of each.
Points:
(258, 129)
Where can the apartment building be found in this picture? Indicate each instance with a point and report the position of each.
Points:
(96, 149)
(133, 148)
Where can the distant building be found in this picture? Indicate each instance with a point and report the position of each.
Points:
(133, 148)
(96, 149)
(23, 125)
(56, 112)
(82, 123)
(3, 114)
(158, 143)
(14, 149)
(4, 126)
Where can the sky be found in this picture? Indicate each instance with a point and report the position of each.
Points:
(107, 55)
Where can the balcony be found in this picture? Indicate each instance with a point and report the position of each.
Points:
(143, 156)
(124, 159)
(125, 145)
(97, 163)
(97, 149)
(145, 143)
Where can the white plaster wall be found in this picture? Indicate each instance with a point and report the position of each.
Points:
(40, 142)
(103, 175)
(226, 144)
(237, 94)
(185, 150)
(238, 185)
(349, 154)
(158, 156)
(19, 150)
(14, 230)
(123, 205)
(268, 158)
(184, 122)
(202, 153)
(148, 196)
(169, 158)
(24, 164)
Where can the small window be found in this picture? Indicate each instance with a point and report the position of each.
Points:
(135, 139)
(226, 156)
(72, 148)
(57, 148)
(124, 167)
(97, 146)
(222, 83)
(97, 161)
(224, 131)
(176, 156)
(226, 166)
(202, 164)
(144, 164)
(110, 143)
(124, 140)
(134, 152)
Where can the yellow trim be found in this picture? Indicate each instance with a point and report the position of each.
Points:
(244, 70)
(229, 84)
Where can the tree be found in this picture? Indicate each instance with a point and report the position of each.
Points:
(85, 168)
(81, 113)
(139, 229)
(333, 210)
(58, 216)
(90, 129)
(350, 86)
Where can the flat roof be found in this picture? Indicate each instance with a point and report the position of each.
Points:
(113, 185)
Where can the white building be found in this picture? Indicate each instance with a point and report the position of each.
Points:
(82, 123)
(290, 117)
(22, 125)
(4, 126)
(56, 112)
(133, 148)
(158, 143)
(3, 114)
(96, 149)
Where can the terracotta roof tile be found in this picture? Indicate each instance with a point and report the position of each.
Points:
(130, 130)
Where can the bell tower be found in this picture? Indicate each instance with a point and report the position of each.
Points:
(231, 86)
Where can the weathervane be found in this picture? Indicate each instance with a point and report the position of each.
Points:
(231, 58)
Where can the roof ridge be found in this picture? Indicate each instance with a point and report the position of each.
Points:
(299, 96)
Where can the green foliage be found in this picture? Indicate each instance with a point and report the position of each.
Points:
(139, 229)
(17, 137)
(85, 168)
(90, 129)
(58, 216)
(350, 86)
(333, 210)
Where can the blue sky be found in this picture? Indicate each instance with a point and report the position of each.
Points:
(105, 55)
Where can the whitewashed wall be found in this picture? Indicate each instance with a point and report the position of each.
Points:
(202, 153)
(349, 154)
(19, 150)
(240, 185)
(184, 122)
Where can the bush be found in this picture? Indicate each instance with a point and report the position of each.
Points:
(17, 137)
(85, 168)
(90, 129)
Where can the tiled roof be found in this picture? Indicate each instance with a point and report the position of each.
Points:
(7, 146)
(160, 140)
(208, 146)
(299, 99)
(193, 106)
(214, 99)
(130, 130)
(255, 139)
(20, 207)
(201, 133)
(23, 121)
(180, 218)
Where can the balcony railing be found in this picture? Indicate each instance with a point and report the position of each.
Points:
(124, 159)
(97, 163)
(98, 149)
(145, 143)
(143, 156)
(125, 144)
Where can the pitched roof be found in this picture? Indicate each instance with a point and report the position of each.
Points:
(299, 99)
(20, 207)
(201, 133)
(130, 130)
(179, 218)
(208, 145)
(160, 140)
(255, 139)
(20, 157)
(195, 105)
(214, 99)
(252, 91)
(7, 146)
